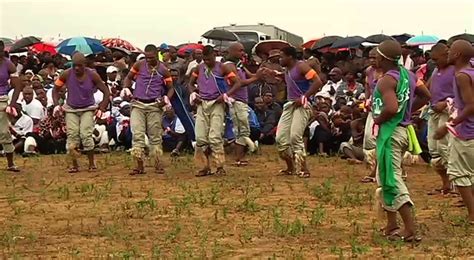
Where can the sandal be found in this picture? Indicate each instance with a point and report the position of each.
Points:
(73, 170)
(285, 172)
(442, 192)
(220, 172)
(368, 179)
(160, 171)
(93, 168)
(137, 172)
(304, 174)
(240, 163)
(13, 168)
(203, 173)
(396, 236)
(174, 153)
(389, 232)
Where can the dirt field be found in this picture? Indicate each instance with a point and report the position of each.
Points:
(252, 213)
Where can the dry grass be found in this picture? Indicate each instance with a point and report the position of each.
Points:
(251, 213)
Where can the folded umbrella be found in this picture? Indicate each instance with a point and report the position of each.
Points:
(422, 40)
(84, 45)
(220, 35)
(326, 41)
(25, 42)
(465, 36)
(348, 42)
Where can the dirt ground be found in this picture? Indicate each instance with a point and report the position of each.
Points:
(252, 213)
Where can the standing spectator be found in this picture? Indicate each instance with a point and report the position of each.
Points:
(197, 55)
(176, 63)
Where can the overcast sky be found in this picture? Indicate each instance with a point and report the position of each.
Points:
(180, 21)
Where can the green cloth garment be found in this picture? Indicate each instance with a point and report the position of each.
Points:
(413, 144)
(384, 137)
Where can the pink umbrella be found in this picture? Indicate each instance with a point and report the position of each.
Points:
(119, 43)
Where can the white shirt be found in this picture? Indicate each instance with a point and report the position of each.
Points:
(193, 64)
(23, 125)
(98, 97)
(324, 92)
(179, 128)
(19, 68)
(34, 109)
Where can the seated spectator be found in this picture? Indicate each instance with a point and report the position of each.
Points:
(341, 128)
(352, 150)
(100, 134)
(50, 138)
(320, 130)
(350, 89)
(254, 126)
(267, 120)
(119, 129)
(37, 82)
(332, 85)
(22, 125)
(271, 105)
(41, 97)
(32, 107)
(174, 135)
(113, 81)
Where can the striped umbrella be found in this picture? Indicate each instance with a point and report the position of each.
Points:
(84, 45)
(422, 40)
(119, 43)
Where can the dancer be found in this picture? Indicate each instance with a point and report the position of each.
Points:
(302, 83)
(441, 88)
(8, 72)
(393, 103)
(81, 83)
(209, 96)
(153, 91)
(239, 109)
(461, 125)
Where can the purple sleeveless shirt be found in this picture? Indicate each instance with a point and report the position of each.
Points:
(371, 79)
(466, 128)
(242, 94)
(442, 85)
(296, 84)
(413, 79)
(80, 94)
(150, 84)
(4, 77)
(207, 84)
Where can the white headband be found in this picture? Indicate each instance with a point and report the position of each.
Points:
(385, 56)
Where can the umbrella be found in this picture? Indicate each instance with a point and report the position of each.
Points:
(325, 42)
(402, 38)
(264, 47)
(7, 41)
(191, 46)
(465, 36)
(220, 35)
(248, 46)
(422, 40)
(308, 44)
(348, 42)
(24, 42)
(120, 49)
(115, 42)
(44, 47)
(378, 38)
(84, 45)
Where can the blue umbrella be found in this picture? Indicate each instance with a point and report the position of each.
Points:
(422, 40)
(84, 45)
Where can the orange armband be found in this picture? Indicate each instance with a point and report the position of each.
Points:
(194, 74)
(134, 71)
(231, 75)
(310, 74)
(59, 83)
(168, 80)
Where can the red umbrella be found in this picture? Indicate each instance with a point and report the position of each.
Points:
(44, 47)
(115, 42)
(191, 46)
(309, 44)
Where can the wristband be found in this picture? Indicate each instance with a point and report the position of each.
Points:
(12, 111)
